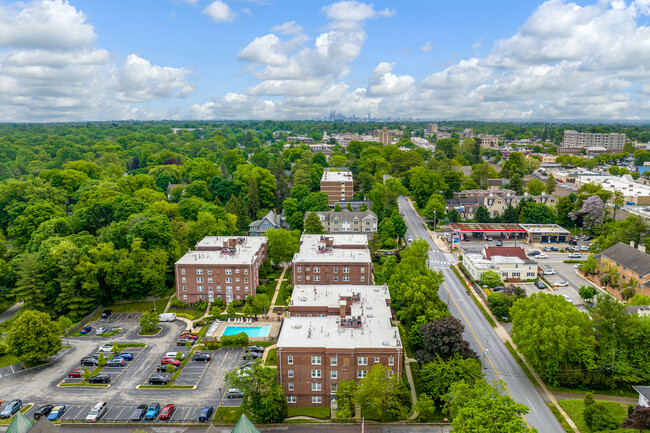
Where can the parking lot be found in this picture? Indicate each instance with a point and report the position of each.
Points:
(122, 413)
(117, 317)
(114, 372)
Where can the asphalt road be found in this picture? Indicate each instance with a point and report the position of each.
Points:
(498, 362)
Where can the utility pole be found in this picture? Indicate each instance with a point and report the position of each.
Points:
(434, 220)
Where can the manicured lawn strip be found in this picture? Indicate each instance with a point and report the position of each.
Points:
(134, 307)
(7, 360)
(575, 409)
(403, 333)
(189, 313)
(284, 293)
(565, 425)
(143, 332)
(125, 345)
(615, 393)
(271, 358)
(110, 334)
(101, 385)
(522, 364)
(26, 408)
(166, 386)
(228, 415)
(314, 412)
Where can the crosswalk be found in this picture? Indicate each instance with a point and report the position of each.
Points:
(438, 262)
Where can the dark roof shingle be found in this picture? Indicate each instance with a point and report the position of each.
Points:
(630, 257)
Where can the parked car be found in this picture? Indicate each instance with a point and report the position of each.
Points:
(167, 411)
(576, 266)
(160, 379)
(234, 393)
(100, 378)
(568, 299)
(534, 253)
(206, 414)
(126, 356)
(554, 249)
(89, 360)
(584, 248)
(86, 330)
(489, 238)
(575, 255)
(170, 361)
(202, 357)
(561, 283)
(499, 243)
(254, 348)
(43, 411)
(251, 355)
(549, 272)
(184, 341)
(541, 256)
(106, 348)
(188, 335)
(174, 355)
(11, 408)
(116, 362)
(56, 412)
(77, 372)
(106, 314)
(101, 330)
(152, 411)
(139, 412)
(499, 289)
(162, 368)
(540, 284)
(547, 249)
(96, 412)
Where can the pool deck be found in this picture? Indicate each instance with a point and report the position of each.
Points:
(274, 331)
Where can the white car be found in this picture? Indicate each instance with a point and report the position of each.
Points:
(575, 256)
(576, 266)
(568, 299)
(549, 272)
(172, 355)
(561, 283)
(541, 256)
(106, 348)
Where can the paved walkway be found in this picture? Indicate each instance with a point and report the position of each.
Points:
(277, 290)
(409, 377)
(9, 312)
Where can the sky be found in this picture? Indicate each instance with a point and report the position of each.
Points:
(78, 60)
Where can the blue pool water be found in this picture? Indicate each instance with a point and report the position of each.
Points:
(251, 331)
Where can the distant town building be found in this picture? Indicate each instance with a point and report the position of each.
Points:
(586, 139)
(634, 192)
(488, 141)
(337, 185)
(356, 205)
(349, 222)
(565, 150)
(300, 139)
(467, 133)
(222, 267)
(441, 135)
(497, 183)
(271, 220)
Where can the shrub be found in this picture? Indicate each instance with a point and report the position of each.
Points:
(201, 306)
(218, 303)
(177, 303)
(261, 290)
(236, 304)
(198, 323)
(240, 339)
(598, 417)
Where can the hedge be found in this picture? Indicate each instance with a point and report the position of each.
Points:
(240, 339)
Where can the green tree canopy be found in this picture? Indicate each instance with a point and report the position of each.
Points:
(33, 337)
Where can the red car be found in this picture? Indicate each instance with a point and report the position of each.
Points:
(76, 373)
(167, 411)
(170, 361)
(188, 335)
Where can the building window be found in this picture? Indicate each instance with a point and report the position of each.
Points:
(210, 280)
(306, 268)
(361, 374)
(199, 280)
(290, 359)
(237, 280)
(315, 360)
(316, 269)
(228, 280)
(376, 360)
(316, 399)
(183, 271)
(316, 386)
(333, 388)
(307, 278)
(333, 374)
(228, 271)
(391, 360)
(315, 374)
(246, 280)
(362, 360)
(199, 288)
(346, 269)
(346, 278)
(209, 271)
(336, 269)
(291, 399)
(316, 277)
(199, 272)
(218, 288)
(299, 278)
(245, 271)
(290, 374)
(236, 271)
(299, 268)
(333, 361)
(185, 297)
(183, 280)
(335, 278)
(290, 386)
(362, 270)
(363, 278)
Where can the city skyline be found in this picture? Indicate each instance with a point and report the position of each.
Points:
(215, 60)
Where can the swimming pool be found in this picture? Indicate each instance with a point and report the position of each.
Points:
(251, 331)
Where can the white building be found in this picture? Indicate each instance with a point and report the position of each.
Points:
(585, 139)
(633, 192)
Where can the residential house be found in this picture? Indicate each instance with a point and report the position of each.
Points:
(271, 220)
(349, 222)
(631, 265)
(510, 263)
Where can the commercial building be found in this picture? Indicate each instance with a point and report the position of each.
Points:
(332, 259)
(333, 333)
(222, 267)
(585, 139)
(337, 185)
(546, 233)
(634, 192)
(349, 222)
(631, 265)
(510, 263)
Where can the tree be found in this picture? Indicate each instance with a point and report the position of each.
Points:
(63, 324)
(639, 419)
(587, 292)
(383, 393)
(550, 184)
(101, 360)
(485, 408)
(482, 215)
(535, 187)
(345, 399)
(438, 375)
(536, 213)
(87, 374)
(263, 396)
(444, 338)
(398, 224)
(30, 286)
(435, 207)
(33, 337)
(618, 201)
(598, 417)
(149, 321)
(516, 183)
(510, 215)
(252, 198)
(419, 298)
(593, 212)
(337, 207)
(281, 245)
(490, 279)
(313, 224)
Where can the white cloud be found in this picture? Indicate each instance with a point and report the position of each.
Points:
(426, 47)
(266, 49)
(220, 12)
(352, 14)
(384, 83)
(288, 28)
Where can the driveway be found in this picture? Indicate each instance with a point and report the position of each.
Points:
(9, 312)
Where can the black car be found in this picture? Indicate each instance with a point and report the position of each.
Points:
(89, 360)
(11, 408)
(499, 289)
(106, 314)
(159, 379)
(162, 368)
(100, 378)
(138, 414)
(43, 411)
(183, 341)
(534, 253)
(499, 243)
(254, 348)
(540, 285)
(251, 355)
(202, 357)
(206, 414)
(116, 362)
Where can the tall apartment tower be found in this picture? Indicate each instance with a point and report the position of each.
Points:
(385, 137)
(337, 185)
(585, 139)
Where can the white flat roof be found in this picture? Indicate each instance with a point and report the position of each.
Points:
(310, 252)
(245, 254)
(377, 331)
(544, 228)
(336, 176)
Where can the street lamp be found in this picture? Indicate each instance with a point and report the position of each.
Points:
(434, 220)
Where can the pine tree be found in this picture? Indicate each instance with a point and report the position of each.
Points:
(337, 208)
(349, 207)
(313, 225)
(252, 198)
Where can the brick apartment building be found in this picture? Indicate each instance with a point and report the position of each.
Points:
(632, 267)
(332, 259)
(337, 185)
(222, 267)
(334, 333)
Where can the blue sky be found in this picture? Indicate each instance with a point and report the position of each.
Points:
(229, 59)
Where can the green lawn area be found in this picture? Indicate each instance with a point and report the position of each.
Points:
(271, 358)
(7, 360)
(228, 415)
(136, 307)
(112, 333)
(284, 294)
(189, 313)
(403, 333)
(143, 332)
(314, 412)
(565, 425)
(576, 407)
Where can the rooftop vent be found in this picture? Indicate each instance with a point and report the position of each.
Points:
(297, 326)
(386, 343)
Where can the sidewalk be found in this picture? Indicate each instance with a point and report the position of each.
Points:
(277, 291)
(409, 377)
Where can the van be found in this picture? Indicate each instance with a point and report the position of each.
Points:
(167, 317)
(234, 393)
(96, 412)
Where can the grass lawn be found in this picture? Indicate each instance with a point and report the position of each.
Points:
(136, 307)
(403, 333)
(143, 332)
(576, 407)
(113, 332)
(228, 415)
(415, 371)
(189, 313)
(271, 358)
(314, 412)
(7, 360)
(565, 425)
(284, 294)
